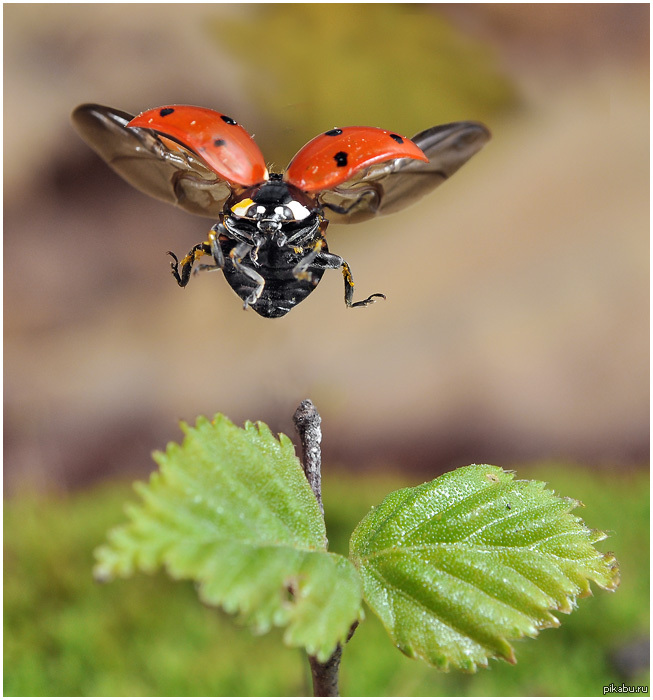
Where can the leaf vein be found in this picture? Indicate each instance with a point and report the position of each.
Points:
(406, 596)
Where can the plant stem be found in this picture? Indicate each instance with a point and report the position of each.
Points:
(325, 676)
(307, 422)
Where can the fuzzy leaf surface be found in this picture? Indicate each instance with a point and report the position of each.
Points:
(231, 509)
(458, 566)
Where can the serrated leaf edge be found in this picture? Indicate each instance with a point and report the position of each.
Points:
(564, 606)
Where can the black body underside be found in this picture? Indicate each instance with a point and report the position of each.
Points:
(282, 290)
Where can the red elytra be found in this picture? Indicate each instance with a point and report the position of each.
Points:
(219, 140)
(335, 156)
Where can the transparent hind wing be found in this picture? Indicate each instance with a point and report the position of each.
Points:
(152, 164)
(392, 185)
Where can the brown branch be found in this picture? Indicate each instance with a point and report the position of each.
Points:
(307, 421)
(325, 676)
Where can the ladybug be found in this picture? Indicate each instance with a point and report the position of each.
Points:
(269, 239)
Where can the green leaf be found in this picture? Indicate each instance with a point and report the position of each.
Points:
(231, 509)
(458, 566)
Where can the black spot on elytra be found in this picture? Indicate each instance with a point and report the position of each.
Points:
(166, 111)
(227, 120)
(333, 132)
(341, 159)
(397, 138)
(219, 142)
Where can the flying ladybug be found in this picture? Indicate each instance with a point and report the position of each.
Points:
(269, 239)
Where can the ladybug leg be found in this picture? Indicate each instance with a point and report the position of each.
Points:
(236, 256)
(349, 289)
(329, 260)
(216, 252)
(186, 263)
(307, 233)
(300, 271)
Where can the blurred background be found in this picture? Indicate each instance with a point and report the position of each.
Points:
(516, 326)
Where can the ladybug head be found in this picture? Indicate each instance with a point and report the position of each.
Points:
(271, 205)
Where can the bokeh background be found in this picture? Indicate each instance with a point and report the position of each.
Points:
(516, 326)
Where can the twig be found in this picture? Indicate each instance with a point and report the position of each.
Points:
(325, 676)
(307, 421)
